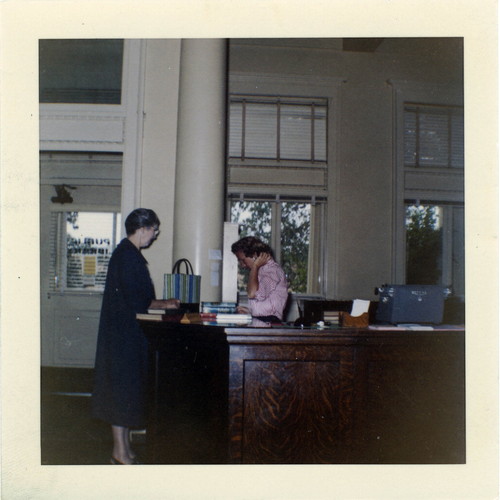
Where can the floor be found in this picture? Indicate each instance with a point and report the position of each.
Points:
(69, 434)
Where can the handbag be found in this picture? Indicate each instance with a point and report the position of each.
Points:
(183, 286)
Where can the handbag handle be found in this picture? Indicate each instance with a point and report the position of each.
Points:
(187, 267)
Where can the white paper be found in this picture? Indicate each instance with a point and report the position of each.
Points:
(359, 307)
(214, 254)
(214, 273)
(214, 278)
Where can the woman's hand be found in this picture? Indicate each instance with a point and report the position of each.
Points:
(253, 280)
(261, 260)
(165, 304)
(242, 310)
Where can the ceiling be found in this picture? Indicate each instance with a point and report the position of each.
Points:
(343, 44)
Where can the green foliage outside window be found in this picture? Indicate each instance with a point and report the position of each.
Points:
(295, 231)
(255, 219)
(423, 245)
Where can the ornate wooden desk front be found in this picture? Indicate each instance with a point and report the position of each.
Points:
(297, 396)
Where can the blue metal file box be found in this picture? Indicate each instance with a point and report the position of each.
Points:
(411, 303)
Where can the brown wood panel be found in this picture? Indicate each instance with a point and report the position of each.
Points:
(296, 384)
(414, 403)
(292, 395)
(289, 416)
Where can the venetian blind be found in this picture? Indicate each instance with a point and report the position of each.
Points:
(433, 136)
(277, 128)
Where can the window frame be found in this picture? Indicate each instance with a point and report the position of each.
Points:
(423, 185)
(316, 258)
(278, 101)
(321, 183)
(448, 111)
(58, 248)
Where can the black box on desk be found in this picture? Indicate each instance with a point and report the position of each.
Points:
(411, 303)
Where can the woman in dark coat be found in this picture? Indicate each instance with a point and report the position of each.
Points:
(121, 356)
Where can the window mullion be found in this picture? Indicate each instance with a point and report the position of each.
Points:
(312, 132)
(276, 228)
(447, 240)
(62, 252)
(114, 241)
(417, 137)
(449, 138)
(243, 127)
(278, 132)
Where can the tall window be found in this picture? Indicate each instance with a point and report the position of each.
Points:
(277, 181)
(82, 244)
(433, 165)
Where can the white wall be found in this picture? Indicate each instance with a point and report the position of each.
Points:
(159, 146)
(361, 177)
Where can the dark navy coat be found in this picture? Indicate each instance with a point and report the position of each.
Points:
(122, 350)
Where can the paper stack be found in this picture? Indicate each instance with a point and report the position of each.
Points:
(331, 317)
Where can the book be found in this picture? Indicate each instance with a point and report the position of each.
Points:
(149, 317)
(332, 317)
(233, 318)
(218, 307)
(174, 316)
(161, 310)
(194, 317)
(157, 311)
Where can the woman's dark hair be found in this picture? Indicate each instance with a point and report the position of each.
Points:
(140, 217)
(251, 246)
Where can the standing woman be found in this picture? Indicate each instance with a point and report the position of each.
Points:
(267, 286)
(122, 350)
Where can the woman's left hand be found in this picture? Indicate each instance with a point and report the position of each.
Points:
(262, 259)
(166, 304)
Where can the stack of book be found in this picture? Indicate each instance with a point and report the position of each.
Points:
(223, 312)
(216, 312)
(233, 318)
(218, 307)
(207, 318)
(173, 315)
(331, 317)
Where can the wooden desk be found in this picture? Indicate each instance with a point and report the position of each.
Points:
(301, 396)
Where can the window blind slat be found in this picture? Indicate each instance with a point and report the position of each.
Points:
(254, 134)
(433, 136)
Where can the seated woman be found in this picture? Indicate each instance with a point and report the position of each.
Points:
(267, 285)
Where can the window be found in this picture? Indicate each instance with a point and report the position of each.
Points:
(287, 226)
(431, 182)
(434, 136)
(435, 251)
(423, 244)
(277, 179)
(80, 71)
(277, 128)
(81, 246)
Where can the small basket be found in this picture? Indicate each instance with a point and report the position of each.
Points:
(346, 319)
